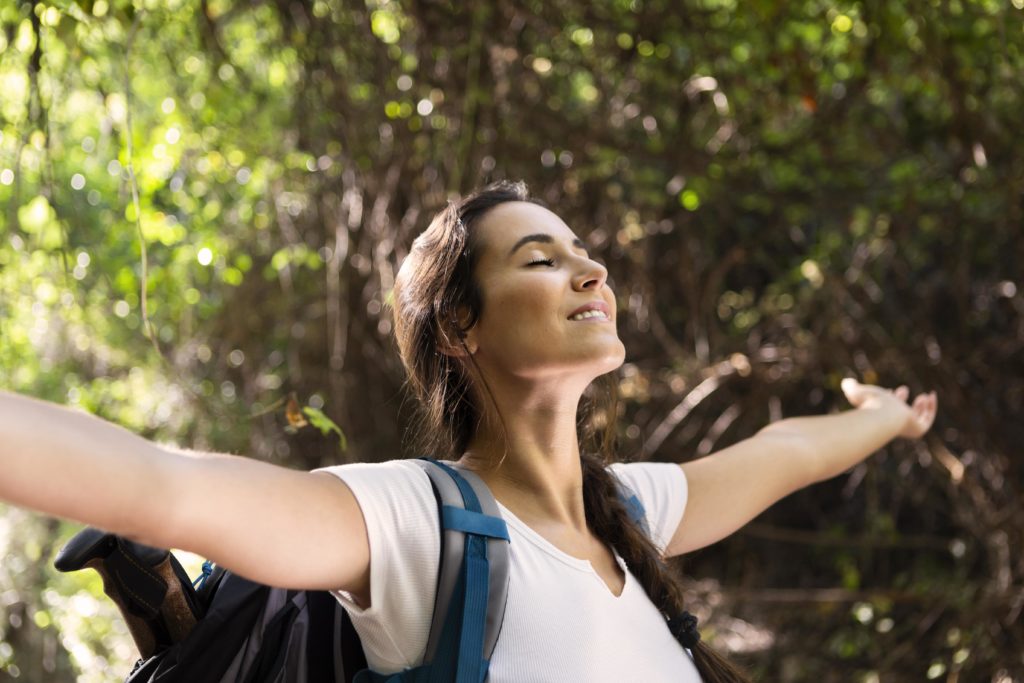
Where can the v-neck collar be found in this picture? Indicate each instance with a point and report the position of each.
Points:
(531, 535)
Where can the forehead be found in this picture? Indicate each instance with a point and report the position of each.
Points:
(502, 228)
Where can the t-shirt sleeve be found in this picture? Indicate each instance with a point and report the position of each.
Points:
(398, 505)
(662, 489)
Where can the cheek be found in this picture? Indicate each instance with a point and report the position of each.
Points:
(537, 299)
(536, 302)
(526, 314)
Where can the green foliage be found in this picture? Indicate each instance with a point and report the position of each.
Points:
(324, 424)
(791, 191)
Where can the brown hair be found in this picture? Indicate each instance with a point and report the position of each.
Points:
(435, 284)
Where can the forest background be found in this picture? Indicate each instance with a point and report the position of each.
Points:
(785, 193)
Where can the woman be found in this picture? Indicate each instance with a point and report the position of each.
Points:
(487, 311)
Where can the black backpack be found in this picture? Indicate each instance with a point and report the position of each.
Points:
(232, 630)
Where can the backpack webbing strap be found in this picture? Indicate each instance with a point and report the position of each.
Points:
(477, 523)
(469, 667)
(498, 560)
(472, 583)
(466, 660)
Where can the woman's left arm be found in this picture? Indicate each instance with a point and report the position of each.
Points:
(729, 488)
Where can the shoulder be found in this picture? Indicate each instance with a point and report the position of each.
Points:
(662, 489)
(390, 494)
(650, 476)
(374, 473)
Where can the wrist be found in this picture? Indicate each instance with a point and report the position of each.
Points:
(889, 417)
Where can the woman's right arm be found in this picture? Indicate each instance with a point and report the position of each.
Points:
(271, 524)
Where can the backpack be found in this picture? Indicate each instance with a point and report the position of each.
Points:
(226, 629)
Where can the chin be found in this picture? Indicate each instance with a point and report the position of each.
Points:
(614, 362)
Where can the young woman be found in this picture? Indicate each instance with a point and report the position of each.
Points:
(487, 310)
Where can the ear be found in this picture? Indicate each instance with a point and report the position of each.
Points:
(453, 337)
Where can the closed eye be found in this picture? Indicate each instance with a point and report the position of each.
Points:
(545, 262)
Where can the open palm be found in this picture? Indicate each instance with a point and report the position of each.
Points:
(918, 415)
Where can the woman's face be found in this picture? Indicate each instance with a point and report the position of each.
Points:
(534, 272)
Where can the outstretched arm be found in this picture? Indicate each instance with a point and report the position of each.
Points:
(729, 488)
(271, 524)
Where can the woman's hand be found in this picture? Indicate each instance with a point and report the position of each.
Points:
(917, 416)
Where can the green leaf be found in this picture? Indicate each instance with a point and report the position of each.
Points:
(325, 424)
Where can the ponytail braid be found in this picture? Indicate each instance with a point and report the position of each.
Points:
(608, 517)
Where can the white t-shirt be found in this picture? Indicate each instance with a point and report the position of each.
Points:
(562, 623)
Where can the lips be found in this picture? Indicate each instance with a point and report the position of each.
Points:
(592, 306)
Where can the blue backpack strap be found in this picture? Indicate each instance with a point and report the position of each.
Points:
(498, 560)
(634, 507)
(472, 580)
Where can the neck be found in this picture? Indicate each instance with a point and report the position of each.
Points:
(535, 469)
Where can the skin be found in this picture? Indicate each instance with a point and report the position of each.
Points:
(305, 530)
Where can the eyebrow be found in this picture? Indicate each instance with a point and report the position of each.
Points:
(542, 237)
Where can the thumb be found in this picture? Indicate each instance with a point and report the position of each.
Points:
(853, 389)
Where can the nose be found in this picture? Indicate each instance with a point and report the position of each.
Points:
(591, 275)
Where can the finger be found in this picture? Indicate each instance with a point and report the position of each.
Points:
(929, 413)
(921, 410)
(853, 390)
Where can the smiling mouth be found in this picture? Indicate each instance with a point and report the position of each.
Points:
(596, 316)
